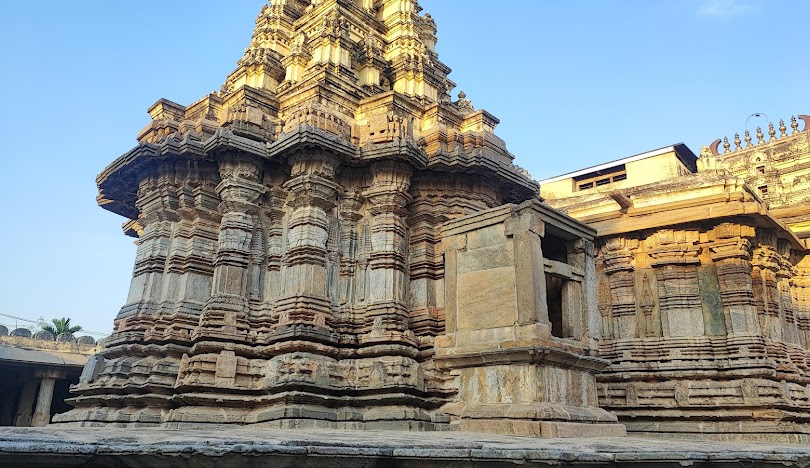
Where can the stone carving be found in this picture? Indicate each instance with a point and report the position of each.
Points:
(331, 241)
(290, 266)
(517, 347)
(715, 301)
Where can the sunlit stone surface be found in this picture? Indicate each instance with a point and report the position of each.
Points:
(294, 234)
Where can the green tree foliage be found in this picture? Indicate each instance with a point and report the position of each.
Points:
(61, 325)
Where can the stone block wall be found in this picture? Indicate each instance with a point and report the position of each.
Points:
(520, 326)
(705, 326)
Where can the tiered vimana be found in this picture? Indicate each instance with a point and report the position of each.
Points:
(290, 268)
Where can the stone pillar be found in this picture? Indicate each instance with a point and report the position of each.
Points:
(24, 408)
(790, 330)
(42, 413)
(350, 215)
(156, 204)
(225, 313)
(618, 260)
(312, 199)
(801, 300)
(731, 253)
(675, 260)
(387, 312)
(527, 232)
(581, 256)
(766, 293)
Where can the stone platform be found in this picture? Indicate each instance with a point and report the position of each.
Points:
(252, 447)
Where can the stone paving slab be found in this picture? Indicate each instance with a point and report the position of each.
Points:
(252, 447)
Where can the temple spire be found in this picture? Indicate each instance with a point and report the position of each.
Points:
(376, 46)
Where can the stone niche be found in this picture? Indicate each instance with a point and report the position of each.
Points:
(521, 326)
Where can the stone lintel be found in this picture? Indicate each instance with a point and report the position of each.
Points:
(547, 429)
(558, 223)
(51, 373)
(549, 354)
(698, 209)
(478, 221)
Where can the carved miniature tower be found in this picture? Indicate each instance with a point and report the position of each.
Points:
(289, 269)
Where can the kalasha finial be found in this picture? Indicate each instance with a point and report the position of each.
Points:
(760, 136)
(737, 142)
(747, 138)
(771, 131)
(726, 145)
(794, 124)
(782, 128)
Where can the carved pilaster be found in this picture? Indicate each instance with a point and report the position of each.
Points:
(730, 251)
(605, 307)
(437, 198)
(188, 277)
(350, 216)
(675, 259)
(646, 305)
(765, 263)
(225, 313)
(801, 299)
(387, 312)
(581, 256)
(790, 331)
(621, 283)
(157, 204)
(306, 305)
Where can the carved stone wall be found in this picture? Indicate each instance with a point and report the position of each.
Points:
(520, 338)
(289, 268)
(706, 338)
(286, 295)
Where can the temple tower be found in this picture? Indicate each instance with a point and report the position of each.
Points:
(289, 268)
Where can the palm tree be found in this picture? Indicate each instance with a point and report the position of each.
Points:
(61, 325)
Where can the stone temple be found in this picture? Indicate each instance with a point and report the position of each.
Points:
(333, 242)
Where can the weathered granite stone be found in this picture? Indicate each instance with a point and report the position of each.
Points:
(256, 447)
(330, 241)
(517, 324)
(291, 270)
(701, 293)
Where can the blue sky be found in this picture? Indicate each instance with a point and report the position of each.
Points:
(574, 83)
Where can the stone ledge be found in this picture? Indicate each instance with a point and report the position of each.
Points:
(252, 446)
